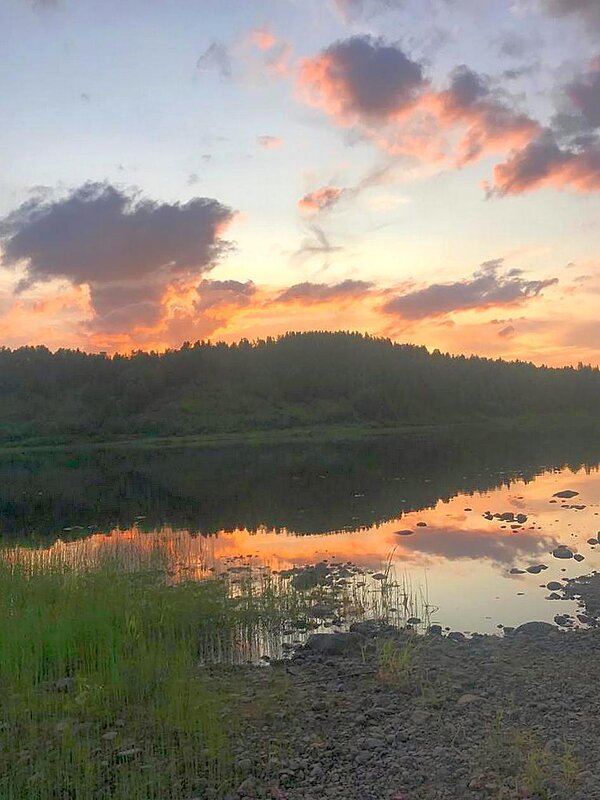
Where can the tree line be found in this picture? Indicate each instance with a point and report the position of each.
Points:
(296, 380)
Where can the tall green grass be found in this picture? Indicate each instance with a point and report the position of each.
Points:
(108, 687)
(101, 690)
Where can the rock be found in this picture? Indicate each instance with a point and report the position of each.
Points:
(592, 541)
(521, 518)
(517, 571)
(554, 586)
(379, 576)
(535, 629)
(562, 551)
(434, 630)
(562, 619)
(413, 621)
(469, 700)
(567, 493)
(404, 533)
(579, 557)
(421, 524)
(456, 636)
(535, 569)
(332, 644)
(554, 596)
(110, 735)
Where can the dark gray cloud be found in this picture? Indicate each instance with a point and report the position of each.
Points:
(214, 294)
(488, 287)
(128, 250)
(587, 10)
(584, 95)
(364, 75)
(216, 56)
(309, 293)
(544, 162)
(466, 87)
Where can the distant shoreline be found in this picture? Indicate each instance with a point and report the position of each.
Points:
(315, 434)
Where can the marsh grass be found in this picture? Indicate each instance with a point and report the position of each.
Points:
(103, 691)
(108, 683)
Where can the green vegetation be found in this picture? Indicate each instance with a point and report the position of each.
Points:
(108, 683)
(298, 381)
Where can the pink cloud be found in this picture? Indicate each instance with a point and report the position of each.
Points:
(320, 199)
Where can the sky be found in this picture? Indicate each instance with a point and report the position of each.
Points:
(424, 170)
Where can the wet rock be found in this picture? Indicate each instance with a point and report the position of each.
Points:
(535, 629)
(592, 541)
(332, 644)
(456, 636)
(521, 518)
(421, 524)
(579, 557)
(563, 620)
(413, 621)
(554, 586)
(404, 533)
(566, 493)
(535, 569)
(562, 551)
(434, 630)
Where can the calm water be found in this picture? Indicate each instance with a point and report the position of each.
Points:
(292, 506)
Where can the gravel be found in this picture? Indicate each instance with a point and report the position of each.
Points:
(451, 718)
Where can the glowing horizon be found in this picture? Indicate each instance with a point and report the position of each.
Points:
(405, 168)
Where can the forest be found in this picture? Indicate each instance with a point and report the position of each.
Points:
(299, 380)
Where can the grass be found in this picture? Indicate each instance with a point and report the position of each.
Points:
(101, 695)
(108, 683)
(102, 689)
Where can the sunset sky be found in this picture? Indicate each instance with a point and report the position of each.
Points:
(427, 170)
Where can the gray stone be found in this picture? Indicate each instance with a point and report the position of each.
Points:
(562, 551)
(535, 629)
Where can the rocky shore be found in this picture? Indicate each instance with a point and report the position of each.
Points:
(383, 714)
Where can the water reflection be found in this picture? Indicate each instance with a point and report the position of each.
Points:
(304, 489)
(461, 530)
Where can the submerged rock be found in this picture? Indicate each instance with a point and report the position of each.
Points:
(535, 629)
(535, 569)
(562, 551)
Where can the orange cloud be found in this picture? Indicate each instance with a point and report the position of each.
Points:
(375, 87)
(262, 38)
(543, 163)
(320, 199)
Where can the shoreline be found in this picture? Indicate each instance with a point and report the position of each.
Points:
(314, 434)
(381, 715)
